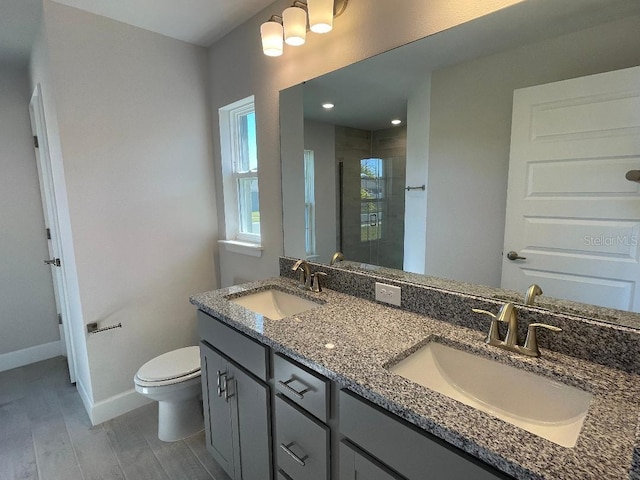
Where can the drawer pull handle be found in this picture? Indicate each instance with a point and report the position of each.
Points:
(291, 453)
(219, 383)
(228, 395)
(292, 390)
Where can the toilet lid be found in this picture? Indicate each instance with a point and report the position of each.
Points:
(174, 364)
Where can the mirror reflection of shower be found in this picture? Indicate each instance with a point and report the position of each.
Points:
(371, 203)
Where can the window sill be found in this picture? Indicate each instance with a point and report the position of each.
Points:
(244, 248)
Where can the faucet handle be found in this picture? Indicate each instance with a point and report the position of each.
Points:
(485, 312)
(531, 343)
(493, 337)
(317, 281)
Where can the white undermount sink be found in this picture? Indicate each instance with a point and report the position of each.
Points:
(274, 304)
(532, 402)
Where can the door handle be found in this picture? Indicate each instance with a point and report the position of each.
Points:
(54, 261)
(633, 175)
(514, 256)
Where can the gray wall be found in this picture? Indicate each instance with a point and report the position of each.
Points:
(134, 129)
(470, 133)
(320, 137)
(27, 306)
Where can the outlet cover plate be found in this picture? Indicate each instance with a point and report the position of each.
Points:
(388, 293)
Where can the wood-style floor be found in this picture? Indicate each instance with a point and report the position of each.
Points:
(45, 434)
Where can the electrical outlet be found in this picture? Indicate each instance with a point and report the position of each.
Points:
(388, 293)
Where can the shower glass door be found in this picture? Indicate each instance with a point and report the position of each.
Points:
(372, 211)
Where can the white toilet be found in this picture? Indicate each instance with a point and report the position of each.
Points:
(173, 380)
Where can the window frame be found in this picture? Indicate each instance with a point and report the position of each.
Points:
(309, 204)
(230, 148)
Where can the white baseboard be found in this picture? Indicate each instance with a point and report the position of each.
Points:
(30, 355)
(116, 405)
(87, 401)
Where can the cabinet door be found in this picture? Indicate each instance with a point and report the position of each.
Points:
(415, 454)
(218, 414)
(355, 466)
(252, 399)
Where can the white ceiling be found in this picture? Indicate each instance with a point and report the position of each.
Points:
(200, 22)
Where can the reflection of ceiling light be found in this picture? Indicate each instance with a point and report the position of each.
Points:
(396, 121)
(328, 106)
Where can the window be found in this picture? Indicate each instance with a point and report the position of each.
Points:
(372, 198)
(309, 204)
(240, 175)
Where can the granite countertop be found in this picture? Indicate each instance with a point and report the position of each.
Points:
(367, 337)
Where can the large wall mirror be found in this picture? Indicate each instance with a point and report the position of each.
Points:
(511, 161)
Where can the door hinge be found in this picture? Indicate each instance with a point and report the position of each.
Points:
(54, 261)
(35, 142)
(48, 234)
(59, 319)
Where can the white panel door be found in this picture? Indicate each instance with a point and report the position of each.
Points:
(50, 210)
(570, 210)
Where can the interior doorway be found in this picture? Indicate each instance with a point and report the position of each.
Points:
(47, 192)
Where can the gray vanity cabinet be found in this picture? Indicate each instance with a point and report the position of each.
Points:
(237, 407)
(356, 466)
(405, 449)
(319, 431)
(301, 413)
(302, 442)
(220, 419)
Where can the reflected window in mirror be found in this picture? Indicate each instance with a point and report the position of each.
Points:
(309, 205)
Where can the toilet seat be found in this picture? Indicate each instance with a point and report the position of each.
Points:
(170, 368)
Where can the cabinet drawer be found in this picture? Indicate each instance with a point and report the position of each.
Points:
(302, 443)
(354, 465)
(245, 351)
(307, 389)
(415, 454)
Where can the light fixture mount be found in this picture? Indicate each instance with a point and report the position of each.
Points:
(339, 6)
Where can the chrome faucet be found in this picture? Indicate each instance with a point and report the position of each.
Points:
(531, 294)
(337, 257)
(304, 274)
(507, 314)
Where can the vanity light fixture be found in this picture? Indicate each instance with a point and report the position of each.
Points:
(294, 21)
(320, 15)
(328, 106)
(291, 27)
(271, 33)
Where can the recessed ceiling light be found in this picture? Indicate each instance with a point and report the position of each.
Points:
(328, 106)
(396, 121)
